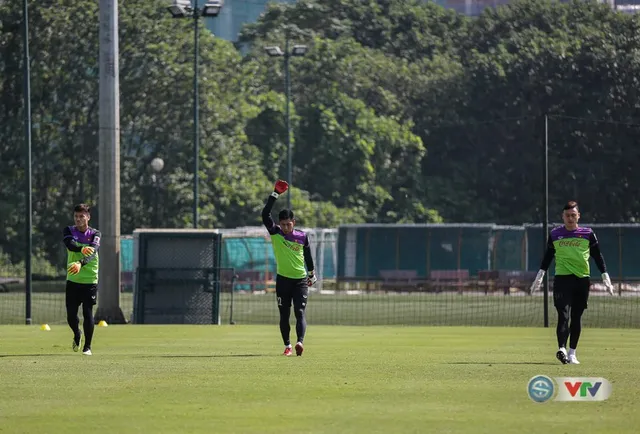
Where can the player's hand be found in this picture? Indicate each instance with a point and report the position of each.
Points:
(607, 283)
(74, 268)
(311, 279)
(281, 186)
(88, 250)
(537, 282)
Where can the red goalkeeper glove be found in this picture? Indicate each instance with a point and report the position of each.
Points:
(281, 186)
(74, 267)
(88, 251)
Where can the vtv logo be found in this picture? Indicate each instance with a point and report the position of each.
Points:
(582, 389)
(573, 388)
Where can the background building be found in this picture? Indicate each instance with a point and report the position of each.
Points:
(237, 13)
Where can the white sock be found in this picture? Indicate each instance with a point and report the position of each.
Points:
(562, 348)
(572, 351)
(288, 346)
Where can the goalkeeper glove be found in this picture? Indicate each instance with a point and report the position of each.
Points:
(74, 268)
(88, 250)
(311, 278)
(607, 283)
(537, 282)
(280, 187)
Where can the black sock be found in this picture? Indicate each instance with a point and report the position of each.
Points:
(576, 327)
(87, 312)
(562, 330)
(285, 328)
(301, 324)
(73, 321)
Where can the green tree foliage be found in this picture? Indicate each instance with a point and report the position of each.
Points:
(476, 91)
(526, 60)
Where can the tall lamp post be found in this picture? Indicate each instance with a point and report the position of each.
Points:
(26, 83)
(296, 51)
(185, 9)
(157, 164)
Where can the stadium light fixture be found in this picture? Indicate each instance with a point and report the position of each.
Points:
(299, 50)
(180, 8)
(212, 8)
(273, 51)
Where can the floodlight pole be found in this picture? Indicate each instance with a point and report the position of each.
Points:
(545, 210)
(196, 111)
(287, 86)
(157, 165)
(274, 51)
(180, 9)
(26, 81)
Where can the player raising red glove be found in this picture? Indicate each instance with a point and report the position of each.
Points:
(280, 187)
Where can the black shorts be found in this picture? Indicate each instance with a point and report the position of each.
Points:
(570, 290)
(291, 290)
(80, 293)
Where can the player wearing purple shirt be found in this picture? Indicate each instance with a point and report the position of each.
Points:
(82, 243)
(295, 270)
(572, 246)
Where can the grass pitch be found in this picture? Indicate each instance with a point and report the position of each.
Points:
(232, 379)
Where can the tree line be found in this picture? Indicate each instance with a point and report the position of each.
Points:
(402, 111)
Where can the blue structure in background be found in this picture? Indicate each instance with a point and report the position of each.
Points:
(126, 254)
(235, 14)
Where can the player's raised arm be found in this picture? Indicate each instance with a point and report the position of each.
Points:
(544, 265)
(308, 261)
(279, 188)
(596, 254)
(69, 242)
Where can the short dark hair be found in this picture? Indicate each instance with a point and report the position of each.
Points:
(285, 214)
(571, 205)
(83, 207)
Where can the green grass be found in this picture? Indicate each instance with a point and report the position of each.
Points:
(446, 309)
(231, 379)
(45, 307)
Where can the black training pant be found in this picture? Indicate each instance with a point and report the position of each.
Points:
(84, 294)
(570, 298)
(288, 291)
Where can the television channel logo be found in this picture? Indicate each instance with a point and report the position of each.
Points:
(577, 389)
(583, 389)
(540, 388)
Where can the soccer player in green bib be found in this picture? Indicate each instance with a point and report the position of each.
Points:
(82, 243)
(572, 246)
(295, 270)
